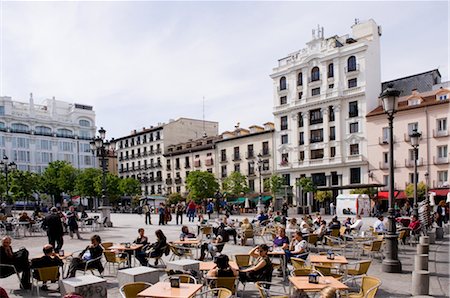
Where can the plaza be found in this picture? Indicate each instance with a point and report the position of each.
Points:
(125, 230)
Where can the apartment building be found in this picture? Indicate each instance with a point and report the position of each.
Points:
(141, 154)
(428, 113)
(321, 96)
(246, 151)
(33, 135)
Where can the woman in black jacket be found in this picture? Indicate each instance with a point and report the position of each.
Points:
(91, 252)
(159, 247)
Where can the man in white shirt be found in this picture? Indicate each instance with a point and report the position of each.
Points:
(356, 226)
(298, 247)
(378, 226)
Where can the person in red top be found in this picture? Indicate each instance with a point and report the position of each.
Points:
(191, 210)
(414, 225)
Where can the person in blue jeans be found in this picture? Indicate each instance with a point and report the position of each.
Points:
(210, 209)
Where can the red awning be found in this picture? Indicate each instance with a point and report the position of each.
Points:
(440, 192)
(384, 195)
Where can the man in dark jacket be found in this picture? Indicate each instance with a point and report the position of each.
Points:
(49, 259)
(53, 225)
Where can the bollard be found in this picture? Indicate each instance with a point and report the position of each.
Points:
(420, 282)
(432, 236)
(424, 240)
(423, 249)
(421, 262)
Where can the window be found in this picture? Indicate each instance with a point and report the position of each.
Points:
(301, 156)
(317, 135)
(251, 168)
(319, 179)
(265, 146)
(237, 167)
(43, 145)
(223, 155)
(334, 178)
(43, 130)
(251, 185)
(283, 100)
(315, 74)
(224, 171)
(236, 155)
(332, 133)
(284, 122)
(385, 135)
(354, 127)
(300, 95)
(443, 97)
(284, 139)
(332, 151)
(315, 116)
(84, 123)
(411, 177)
(300, 79)
(385, 157)
(284, 158)
(354, 149)
(315, 91)
(250, 152)
(266, 165)
(330, 113)
(64, 133)
(2, 111)
(187, 163)
(441, 124)
(353, 109)
(442, 151)
(19, 127)
(85, 134)
(351, 63)
(412, 127)
(66, 146)
(331, 86)
(301, 138)
(386, 180)
(283, 84)
(20, 143)
(330, 70)
(177, 163)
(352, 83)
(300, 119)
(355, 175)
(442, 177)
(317, 154)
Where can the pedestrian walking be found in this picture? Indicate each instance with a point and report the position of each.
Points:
(147, 214)
(332, 211)
(210, 209)
(72, 222)
(284, 209)
(52, 223)
(161, 213)
(179, 210)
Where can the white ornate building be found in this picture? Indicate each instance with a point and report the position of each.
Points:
(32, 135)
(321, 96)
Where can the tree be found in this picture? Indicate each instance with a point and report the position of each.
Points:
(322, 196)
(84, 184)
(274, 183)
(23, 185)
(371, 191)
(421, 188)
(306, 184)
(235, 184)
(174, 198)
(130, 187)
(201, 185)
(59, 177)
(112, 187)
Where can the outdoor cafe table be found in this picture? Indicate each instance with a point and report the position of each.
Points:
(301, 283)
(278, 252)
(192, 242)
(164, 290)
(314, 259)
(206, 266)
(129, 250)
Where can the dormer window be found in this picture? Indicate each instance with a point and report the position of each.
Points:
(414, 102)
(442, 97)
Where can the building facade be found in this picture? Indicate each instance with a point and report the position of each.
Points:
(321, 96)
(32, 135)
(241, 150)
(429, 114)
(141, 154)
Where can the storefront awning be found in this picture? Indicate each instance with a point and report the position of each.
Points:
(398, 195)
(264, 199)
(440, 192)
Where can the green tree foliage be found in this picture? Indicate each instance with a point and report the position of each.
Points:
(59, 177)
(307, 185)
(130, 187)
(235, 184)
(112, 187)
(371, 191)
(201, 185)
(321, 196)
(174, 198)
(274, 183)
(84, 184)
(23, 185)
(421, 188)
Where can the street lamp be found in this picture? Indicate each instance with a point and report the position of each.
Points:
(6, 167)
(414, 138)
(391, 263)
(101, 148)
(259, 162)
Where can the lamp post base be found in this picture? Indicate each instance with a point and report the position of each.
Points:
(391, 266)
(106, 215)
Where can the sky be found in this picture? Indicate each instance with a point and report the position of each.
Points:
(141, 63)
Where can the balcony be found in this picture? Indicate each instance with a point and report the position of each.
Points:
(236, 157)
(197, 163)
(407, 138)
(151, 152)
(250, 155)
(209, 162)
(177, 167)
(158, 151)
(314, 81)
(316, 140)
(158, 179)
(251, 173)
(169, 181)
(354, 69)
(284, 163)
(440, 160)
(187, 166)
(265, 152)
(283, 91)
(178, 180)
(223, 175)
(385, 165)
(410, 163)
(353, 90)
(168, 168)
(440, 133)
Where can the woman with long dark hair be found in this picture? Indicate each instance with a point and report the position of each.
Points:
(159, 247)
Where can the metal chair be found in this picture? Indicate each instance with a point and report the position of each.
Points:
(242, 260)
(131, 290)
(373, 248)
(368, 289)
(45, 274)
(13, 270)
(299, 263)
(265, 291)
(216, 292)
(180, 252)
(112, 258)
(106, 245)
(229, 283)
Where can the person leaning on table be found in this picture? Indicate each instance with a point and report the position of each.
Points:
(263, 268)
(223, 268)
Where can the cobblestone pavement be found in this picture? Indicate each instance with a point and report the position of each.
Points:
(125, 230)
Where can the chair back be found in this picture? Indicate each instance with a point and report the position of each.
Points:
(223, 282)
(131, 290)
(364, 267)
(334, 233)
(216, 292)
(402, 235)
(242, 260)
(376, 245)
(312, 239)
(107, 245)
(298, 263)
(249, 234)
(342, 231)
(325, 270)
(301, 272)
(110, 256)
(369, 286)
(184, 278)
(175, 251)
(207, 230)
(48, 273)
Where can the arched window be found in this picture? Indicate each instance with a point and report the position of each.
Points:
(84, 123)
(19, 127)
(64, 133)
(351, 63)
(300, 79)
(331, 70)
(315, 74)
(283, 84)
(43, 130)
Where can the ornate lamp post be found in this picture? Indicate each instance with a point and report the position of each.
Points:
(101, 147)
(391, 263)
(6, 167)
(414, 138)
(259, 162)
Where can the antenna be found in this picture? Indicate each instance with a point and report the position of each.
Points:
(203, 118)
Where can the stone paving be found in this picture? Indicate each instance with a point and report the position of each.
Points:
(125, 230)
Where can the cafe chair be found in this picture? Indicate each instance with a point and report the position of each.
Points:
(180, 252)
(242, 260)
(8, 270)
(312, 241)
(206, 231)
(299, 263)
(327, 271)
(248, 235)
(342, 231)
(334, 243)
(265, 291)
(107, 245)
(88, 264)
(158, 259)
(217, 293)
(131, 290)
(113, 259)
(334, 233)
(229, 283)
(301, 272)
(361, 268)
(368, 289)
(373, 248)
(184, 278)
(44, 274)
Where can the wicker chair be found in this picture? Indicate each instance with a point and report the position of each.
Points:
(131, 290)
(184, 278)
(265, 291)
(216, 292)
(45, 274)
(368, 289)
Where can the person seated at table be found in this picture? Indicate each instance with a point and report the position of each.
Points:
(414, 225)
(277, 217)
(263, 269)
(317, 220)
(292, 224)
(18, 259)
(159, 247)
(321, 230)
(185, 233)
(406, 210)
(37, 214)
(356, 226)
(298, 247)
(281, 240)
(25, 218)
(223, 268)
(92, 251)
(49, 259)
(262, 217)
(305, 228)
(347, 222)
(140, 253)
(379, 226)
(328, 292)
(229, 227)
(246, 231)
(212, 247)
(334, 224)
